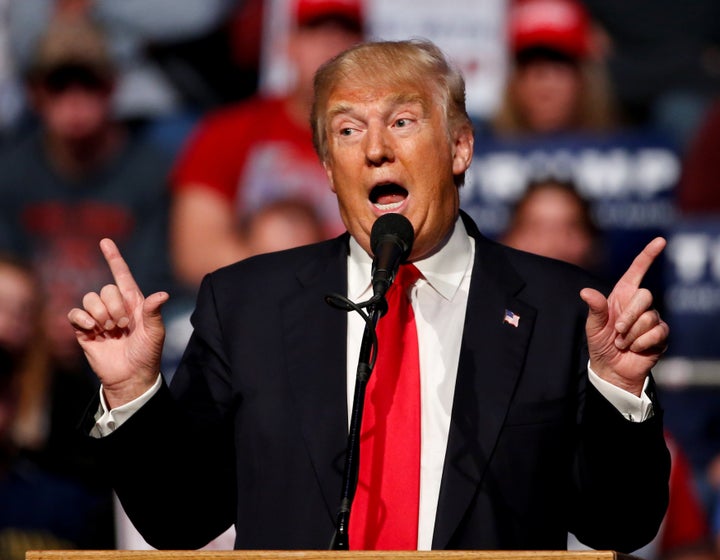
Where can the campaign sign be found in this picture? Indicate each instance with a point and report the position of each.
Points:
(692, 295)
(470, 32)
(629, 179)
(692, 309)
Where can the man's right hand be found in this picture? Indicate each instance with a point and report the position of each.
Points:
(121, 332)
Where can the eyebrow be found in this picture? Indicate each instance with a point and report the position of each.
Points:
(338, 109)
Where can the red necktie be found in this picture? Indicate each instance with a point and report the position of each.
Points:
(384, 514)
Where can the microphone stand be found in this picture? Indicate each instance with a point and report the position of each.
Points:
(391, 240)
(340, 540)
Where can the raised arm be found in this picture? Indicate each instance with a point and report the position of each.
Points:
(121, 332)
(626, 337)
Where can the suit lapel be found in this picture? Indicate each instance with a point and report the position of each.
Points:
(491, 359)
(314, 336)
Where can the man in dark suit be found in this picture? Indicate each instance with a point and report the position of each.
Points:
(539, 415)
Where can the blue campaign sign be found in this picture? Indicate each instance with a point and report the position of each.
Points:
(629, 179)
(692, 296)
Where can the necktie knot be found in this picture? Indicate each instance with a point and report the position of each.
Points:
(406, 276)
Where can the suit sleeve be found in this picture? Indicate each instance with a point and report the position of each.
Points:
(172, 463)
(622, 471)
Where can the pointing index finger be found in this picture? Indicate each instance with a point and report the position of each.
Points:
(118, 267)
(639, 267)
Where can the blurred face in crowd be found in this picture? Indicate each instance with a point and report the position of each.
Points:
(312, 45)
(283, 225)
(19, 321)
(547, 93)
(389, 149)
(19, 307)
(553, 222)
(74, 103)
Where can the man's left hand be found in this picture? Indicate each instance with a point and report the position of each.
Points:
(626, 337)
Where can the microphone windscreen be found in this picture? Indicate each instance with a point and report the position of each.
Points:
(394, 225)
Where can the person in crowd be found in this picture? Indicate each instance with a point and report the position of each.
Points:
(557, 120)
(662, 58)
(556, 84)
(283, 224)
(699, 189)
(41, 508)
(80, 176)
(529, 388)
(23, 341)
(151, 82)
(258, 151)
(553, 220)
(47, 398)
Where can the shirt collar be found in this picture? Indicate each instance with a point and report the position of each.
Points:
(443, 271)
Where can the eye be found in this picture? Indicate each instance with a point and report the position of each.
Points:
(346, 131)
(402, 122)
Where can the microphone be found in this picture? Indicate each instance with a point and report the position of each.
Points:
(391, 240)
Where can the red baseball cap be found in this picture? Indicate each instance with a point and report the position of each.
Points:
(309, 11)
(560, 25)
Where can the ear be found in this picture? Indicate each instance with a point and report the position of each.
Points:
(463, 150)
(328, 172)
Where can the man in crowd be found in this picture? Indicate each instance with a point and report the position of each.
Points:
(534, 412)
(78, 176)
(258, 151)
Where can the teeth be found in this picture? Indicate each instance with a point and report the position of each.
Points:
(390, 206)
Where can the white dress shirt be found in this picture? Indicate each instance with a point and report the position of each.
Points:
(439, 301)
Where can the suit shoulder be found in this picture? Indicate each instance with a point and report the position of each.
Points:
(549, 275)
(533, 272)
(281, 268)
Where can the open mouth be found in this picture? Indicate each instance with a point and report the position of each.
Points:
(388, 196)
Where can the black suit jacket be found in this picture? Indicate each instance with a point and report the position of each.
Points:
(253, 429)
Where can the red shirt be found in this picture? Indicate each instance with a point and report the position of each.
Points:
(253, 153)
(685, 523)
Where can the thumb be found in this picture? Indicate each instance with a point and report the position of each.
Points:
(597, 309)
(152, 307)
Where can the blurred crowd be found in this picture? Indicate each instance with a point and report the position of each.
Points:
(145, 121)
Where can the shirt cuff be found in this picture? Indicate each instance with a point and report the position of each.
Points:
(107, 421)
(632, 407)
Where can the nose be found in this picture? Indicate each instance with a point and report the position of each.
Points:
(378, 149)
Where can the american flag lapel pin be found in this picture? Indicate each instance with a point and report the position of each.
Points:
(511, 318)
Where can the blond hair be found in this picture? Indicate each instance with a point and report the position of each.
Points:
(390, 63)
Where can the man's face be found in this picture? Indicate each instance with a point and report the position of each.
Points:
(389, 151)
(73, 103)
